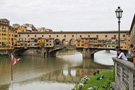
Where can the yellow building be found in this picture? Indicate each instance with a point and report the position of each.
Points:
(21, 29)
(101, 43)
(7, 35)
(46, 42)
(15, 37)
(41, 42)
(11, 37)
(80, 43)
(4, 34)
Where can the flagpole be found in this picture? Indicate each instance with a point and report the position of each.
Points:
(11, 73)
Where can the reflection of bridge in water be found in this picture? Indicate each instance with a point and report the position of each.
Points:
(73, 74)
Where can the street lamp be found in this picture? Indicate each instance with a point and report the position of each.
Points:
(118, 15)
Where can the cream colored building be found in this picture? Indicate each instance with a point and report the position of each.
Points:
(70, 38)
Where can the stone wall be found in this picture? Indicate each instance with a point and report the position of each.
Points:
(133, 35)
(4, 52)
(124, 75)
(27, 52)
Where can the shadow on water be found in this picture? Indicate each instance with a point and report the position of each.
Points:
(37, 73)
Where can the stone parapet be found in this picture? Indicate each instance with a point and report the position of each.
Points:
(124, 75)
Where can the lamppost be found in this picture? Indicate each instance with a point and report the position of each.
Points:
(118, 15)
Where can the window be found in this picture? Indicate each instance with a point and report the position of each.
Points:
(88, 35)
(105, 35)
(123, 35)
(49, 35)
(28, 35)
(72, 35)
(64, 35)
(35, 35)
(57, 36)
(97, 36)
(19, 35)
(113, 46)
(115, 36)
(80, 35)
(42, 35)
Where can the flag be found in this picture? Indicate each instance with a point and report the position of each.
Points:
(14, 60)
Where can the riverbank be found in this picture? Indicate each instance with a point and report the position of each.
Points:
(99, 81)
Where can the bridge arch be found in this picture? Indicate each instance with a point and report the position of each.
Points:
(72, 42)
(65, 71)
(64, 42)
(73, 72)
(57, 42)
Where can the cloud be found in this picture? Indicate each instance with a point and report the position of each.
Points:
(68, 14)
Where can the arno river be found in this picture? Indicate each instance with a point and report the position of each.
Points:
(53, 73)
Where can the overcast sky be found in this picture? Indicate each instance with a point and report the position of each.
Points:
(69, 15)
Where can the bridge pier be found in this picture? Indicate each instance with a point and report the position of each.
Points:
(42, 52)
(88, 53)
(107, 51)
(45, 52)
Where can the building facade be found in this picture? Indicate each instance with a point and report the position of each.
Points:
(132, 31)
(5, 35)
(96, 39)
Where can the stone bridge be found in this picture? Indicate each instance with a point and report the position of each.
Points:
(51, 52)
(85, 42)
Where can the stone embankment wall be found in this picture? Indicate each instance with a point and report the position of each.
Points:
(4, 52)
(27, 52)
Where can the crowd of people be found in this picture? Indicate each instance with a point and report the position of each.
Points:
(131, 54)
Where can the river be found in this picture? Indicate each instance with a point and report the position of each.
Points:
(53, 73)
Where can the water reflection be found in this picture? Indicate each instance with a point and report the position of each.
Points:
(105, 58)
(38, 73)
